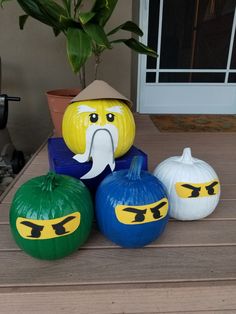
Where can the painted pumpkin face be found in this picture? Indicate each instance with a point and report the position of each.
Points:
(193, 186)
(85, 118)
(51, 216)
(131, 207)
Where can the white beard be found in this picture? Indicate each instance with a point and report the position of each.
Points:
(101, 143)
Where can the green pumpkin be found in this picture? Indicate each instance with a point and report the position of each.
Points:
(51, 216)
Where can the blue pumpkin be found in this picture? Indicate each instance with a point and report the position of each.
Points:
(131, 206)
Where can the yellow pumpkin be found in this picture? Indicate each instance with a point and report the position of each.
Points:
(79, 116)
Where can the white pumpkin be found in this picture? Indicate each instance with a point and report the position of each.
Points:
(192, 186)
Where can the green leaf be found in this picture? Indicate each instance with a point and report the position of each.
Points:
(52, 11)
(103, 10)
(77, 4)
(97, 34)
(52, 7)
(22, 20)
(127, 26)
(79, 48)
(67, 5)
(86, 17)
(32, 9)
(67, 22)
(47, 12)
(136, 46)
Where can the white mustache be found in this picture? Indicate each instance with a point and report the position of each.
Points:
(101, 143)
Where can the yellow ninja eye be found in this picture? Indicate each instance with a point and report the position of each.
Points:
(193, 190)
(156, 210)
(110, 117)
(33, 229)
(60, 228)
(93, 117)
(133, 215)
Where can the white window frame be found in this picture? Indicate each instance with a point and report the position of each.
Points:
(182, 97)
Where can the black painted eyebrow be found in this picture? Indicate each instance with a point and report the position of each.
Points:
(212, 185)
(159, 206)
(210, 188)
(195, 190)
(59, 227)
(156, 210)
(36, 229)
(191, 187)
(135, 210)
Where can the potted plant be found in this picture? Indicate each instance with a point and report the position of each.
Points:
(85, 37)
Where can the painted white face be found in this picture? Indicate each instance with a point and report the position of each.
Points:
(192, 186)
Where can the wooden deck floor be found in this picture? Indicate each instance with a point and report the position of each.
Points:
(191, 268)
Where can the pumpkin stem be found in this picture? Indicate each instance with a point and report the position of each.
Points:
(135, 168)
(49, 183)
(187, 156)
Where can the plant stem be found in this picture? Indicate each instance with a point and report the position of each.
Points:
(77, 4)
(97, 62)
(82, 77)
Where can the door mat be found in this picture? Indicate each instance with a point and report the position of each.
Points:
(195, 123)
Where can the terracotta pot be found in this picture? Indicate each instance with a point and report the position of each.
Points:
(58, 100)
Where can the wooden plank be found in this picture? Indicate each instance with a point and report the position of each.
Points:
(24, 178)
(42, 148)
(4, 213)
(160, 146)
(203, 142)
(177, 234)
(225, 168)
(111, 300)
(145, 126)
(37, 169)
(13, 183)
(198, 233)
(192, 264)
(193, 252)
(42, 158)
(228, 192)
(225, 210)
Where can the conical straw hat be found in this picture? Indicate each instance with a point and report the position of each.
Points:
(100, 90)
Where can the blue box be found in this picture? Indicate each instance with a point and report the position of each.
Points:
(61, 161)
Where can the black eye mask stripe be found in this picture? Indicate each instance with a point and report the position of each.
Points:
(140, 213)
(196, 190)
(36, 229)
